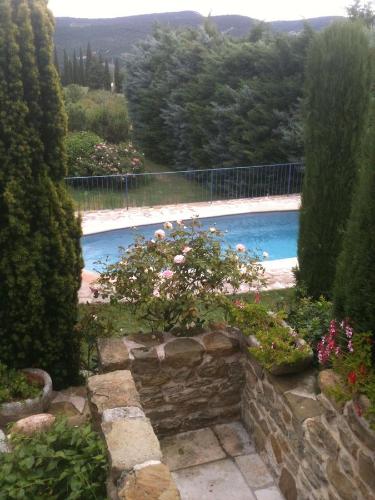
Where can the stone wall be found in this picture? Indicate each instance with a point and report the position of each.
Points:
(315, 448)
(183, 383)
(136, 471)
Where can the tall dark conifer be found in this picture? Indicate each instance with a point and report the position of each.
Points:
(107, 77)
(40, 262)
(337, 93)
(118, 77)
(81, 69)
(75, 70)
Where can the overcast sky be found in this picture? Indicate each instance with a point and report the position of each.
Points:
(266, 10)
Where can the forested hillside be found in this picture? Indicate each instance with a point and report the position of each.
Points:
(115, 37)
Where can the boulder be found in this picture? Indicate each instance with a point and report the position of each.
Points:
(35, 423)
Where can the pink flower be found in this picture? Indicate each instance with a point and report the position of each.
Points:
(186, 250)
(159, 234)
(240, 248)
(168, 225)
(167, 274)
(179, 259)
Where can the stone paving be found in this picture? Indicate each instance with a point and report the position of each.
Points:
(218, 463)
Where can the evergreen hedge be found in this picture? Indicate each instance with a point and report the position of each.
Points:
(40, 256)
(337, 94)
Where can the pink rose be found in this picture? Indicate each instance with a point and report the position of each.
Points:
(240, 248)
(159, 234)
(179, 259)
(186, 250)
(167, 274)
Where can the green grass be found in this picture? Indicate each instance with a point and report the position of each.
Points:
(166, 189)
(124, 322)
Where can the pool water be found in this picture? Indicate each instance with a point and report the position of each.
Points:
(272, 232)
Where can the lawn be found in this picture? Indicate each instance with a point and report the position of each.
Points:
(124, 322)
(164, 189)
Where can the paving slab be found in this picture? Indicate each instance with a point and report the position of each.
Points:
(234, 438)
(271, 493)
(219, 480)
(188, 449)
(254, 470)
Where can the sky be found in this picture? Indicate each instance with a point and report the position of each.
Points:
(266, 10)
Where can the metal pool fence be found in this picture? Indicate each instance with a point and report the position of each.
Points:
(168, 188)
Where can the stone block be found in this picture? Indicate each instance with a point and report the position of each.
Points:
(146, 360)
(152, 482)
(360, 427)
(130, 442)
(234, 439)
(328, 379)
(183, 352)
(276, 448)
(287, 485)
(321, 437)
(191, 448)
(113, 355)
(111, 390)
(218, 344)
(303, 407)
(147, 339)
(114, 414)
(270, 493)
(254, 470)
(306, 382)
(366, 466)
(344, 487)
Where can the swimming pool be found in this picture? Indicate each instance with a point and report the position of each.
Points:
(272, 232)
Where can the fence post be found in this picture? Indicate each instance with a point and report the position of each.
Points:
(126, 192)
(289, 177)
(212, 185)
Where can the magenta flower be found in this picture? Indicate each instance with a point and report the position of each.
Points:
(167, 274)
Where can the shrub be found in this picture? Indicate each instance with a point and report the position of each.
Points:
(15, 385)
(89, 155)
(64, 463)
(310, 318)
(176, 278)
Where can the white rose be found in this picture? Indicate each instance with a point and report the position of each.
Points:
(179, 259)
(159, 234)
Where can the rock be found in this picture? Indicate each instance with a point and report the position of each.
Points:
(4, 447)
(76, 396)
(113, 354)
(306, 382)
(183, 352)
(147, 339)
(153, 482)
(114, 414)
(303, 407)
(293, 368)
(218, 344)
(367, 469)
(112, 390)
(345, 488)
(321, 437)
(287, 485)
(327, 380)
(145, 360)
(360, 427)
(276, 449)
(35, 423)
(234, 439)
(130, 442)
(254, 470)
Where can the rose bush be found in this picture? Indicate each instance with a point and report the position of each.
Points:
(174, 279)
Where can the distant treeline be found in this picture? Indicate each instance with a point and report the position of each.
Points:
(89, 70)
(200, 99)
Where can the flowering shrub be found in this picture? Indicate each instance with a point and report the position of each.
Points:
(174, 279)
(350, 355)
(89, 155)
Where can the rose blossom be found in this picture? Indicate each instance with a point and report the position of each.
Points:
(240, 248)
(167, 274)
(159, 234)
(168, 225)
(179, 259)
(186, 250)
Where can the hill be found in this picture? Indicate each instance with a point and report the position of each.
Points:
(115, 37)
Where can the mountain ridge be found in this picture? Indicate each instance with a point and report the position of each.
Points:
(114, 37)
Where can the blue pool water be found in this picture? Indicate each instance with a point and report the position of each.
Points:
(271, 232)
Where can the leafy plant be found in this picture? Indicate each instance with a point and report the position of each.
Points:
(63, 463)
(175, 279)
(16, 386)
(279, 345)
(250, 318)
(310, 318)
(92, 326)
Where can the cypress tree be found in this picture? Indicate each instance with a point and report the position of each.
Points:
(75, 71)
(81, 69)
(107, 76)
(88, 62)
(337, 92)
(118, 77)
(66, 76)
(354, 295)
(40, 261)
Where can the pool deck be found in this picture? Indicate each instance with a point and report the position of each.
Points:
(278, 272)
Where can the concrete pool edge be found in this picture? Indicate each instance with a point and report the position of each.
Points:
(108, 220)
